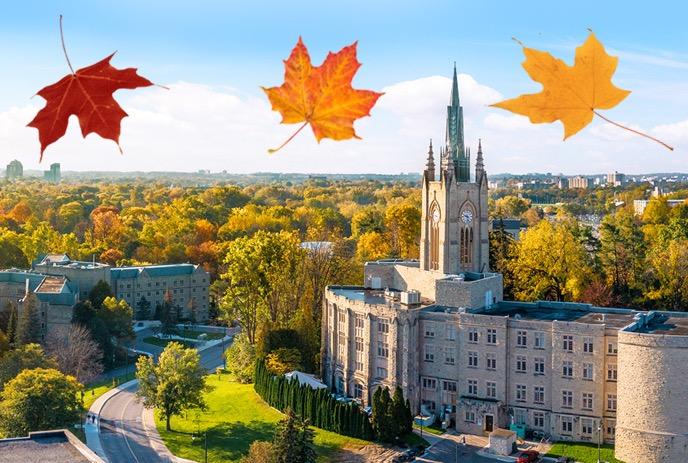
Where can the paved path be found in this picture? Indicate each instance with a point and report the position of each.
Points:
(125, 436)
(448, 448)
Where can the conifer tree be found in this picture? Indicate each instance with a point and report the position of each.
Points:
(29, 328)
(12, 324)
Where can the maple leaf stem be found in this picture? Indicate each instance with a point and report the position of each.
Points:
(64, 48)
(634, 131)
(274, 150)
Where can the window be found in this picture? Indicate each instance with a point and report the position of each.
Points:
(429, 353)
(381, 372)
(539, 366)
(586, 426)
(538, 420)
(359, 344)
(539, 342)
(568, 343)
(522, 338)
(567, 399)
(470, 416)
(611, 372)
(539, 394)
(449, 386)
(383, 326)
(611, 428)
(611, 402)
(588, 345)
(611, 348)
(429, 383)
(567, 369)
(382, 349)
(429, 330)
(491, 336)
(473, 335)
(473, 387)
(588, 371)
(521, 363)
(359, 360)
(451, 333)
(491, 389)
(566, 424)
(491, 360)
(473, 359)
(587, 401)
(521, 391)
(449, 355)
(520, 416)
(358, 325)
(358, 391)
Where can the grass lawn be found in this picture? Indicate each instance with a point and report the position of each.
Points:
(196, 333)
(430, 429)
(583, 452)
(164, 342)
(236, 417)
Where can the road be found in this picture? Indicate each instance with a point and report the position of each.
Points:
(450, 449)
(122, 432)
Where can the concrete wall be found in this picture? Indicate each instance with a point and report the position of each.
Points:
(652, 423)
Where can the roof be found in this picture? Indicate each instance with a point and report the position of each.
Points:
(504, 433)
(305, 378)
(661, 323)
(152, 271)
(60, 446)
(52, 285)
(371, 296)
(51, 289)
(561, 311)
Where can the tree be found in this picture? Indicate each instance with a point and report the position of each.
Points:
(511, 206)
(371, 246)
(38, 400)
(176, 383)
(22, 358)
(4, 344)
(117, 316)
(11, 255)
(99, 293)
(259, 452)
(143, 307)
(670, 268)
(293, 441)
(241, 358)
(402, 222)
(12, 323)
(550, 263)
(83, 313)
(75, 352)
(502, 249)
(29, 327)
(283, 360)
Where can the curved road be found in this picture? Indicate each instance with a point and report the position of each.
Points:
(122, 432)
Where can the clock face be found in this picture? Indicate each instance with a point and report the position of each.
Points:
(467, 217)
(436, 216)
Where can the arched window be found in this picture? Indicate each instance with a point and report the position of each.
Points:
(434, 237)
(466, 238)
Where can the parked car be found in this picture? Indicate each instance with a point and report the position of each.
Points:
(565, 460)
(528, 456)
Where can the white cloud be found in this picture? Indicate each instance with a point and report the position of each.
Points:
(193, 126)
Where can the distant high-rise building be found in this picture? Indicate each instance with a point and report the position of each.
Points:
(616, 179)
(14, 170)
(562, 183)
(580, 181)
(53, 175)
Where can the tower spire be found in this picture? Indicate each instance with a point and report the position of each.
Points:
(454, 100)
(454, 137)
(479, 165)
(430, 164)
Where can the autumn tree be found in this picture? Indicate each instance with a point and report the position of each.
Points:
(502, 250)
(75, 353)
(549, 263)
(259, 452)
(37, 400)
(293, 441)
(402, 222)
(99, 293)
(283, 360)
(4, 344)
(117, 316)
(372, 246)
(175, 384)
(22, 358)
(670, 269)
(241, 358)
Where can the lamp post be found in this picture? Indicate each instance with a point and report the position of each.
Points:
(599, 443)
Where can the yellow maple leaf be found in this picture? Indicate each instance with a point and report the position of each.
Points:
(571, 94)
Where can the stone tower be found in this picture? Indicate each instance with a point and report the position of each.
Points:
(454, 229)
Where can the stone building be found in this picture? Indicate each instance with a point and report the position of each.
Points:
(14, 170)
(439, 329)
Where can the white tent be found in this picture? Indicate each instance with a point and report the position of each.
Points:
(305, 378)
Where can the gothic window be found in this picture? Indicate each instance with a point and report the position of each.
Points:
(434, 237)
(466, 237)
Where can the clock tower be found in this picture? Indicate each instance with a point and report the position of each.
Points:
(454, 228)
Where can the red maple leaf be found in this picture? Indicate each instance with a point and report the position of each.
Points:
(87, 94)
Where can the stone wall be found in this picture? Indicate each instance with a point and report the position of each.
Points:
(652, 421)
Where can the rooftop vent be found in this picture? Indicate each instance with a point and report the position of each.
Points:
(376, 283)
(410, 297)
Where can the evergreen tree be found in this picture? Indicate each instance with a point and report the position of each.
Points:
(398, 414)
(143, 309)
(293, 441)
(12, 324)
(29, 328)
(99, 293)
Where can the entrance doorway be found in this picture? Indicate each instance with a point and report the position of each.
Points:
(489, 423)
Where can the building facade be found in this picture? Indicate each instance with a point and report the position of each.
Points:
(14, 170)
(439, 329)
(581, 182)
(53, 175)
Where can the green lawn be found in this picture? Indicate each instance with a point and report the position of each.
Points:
(196, 333)
(429, 429)
(93, 391)
(583, 452)
(164, 342)
(236, 417)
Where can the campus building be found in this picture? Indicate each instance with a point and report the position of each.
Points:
(184, 285)
(439, 328)
(14, 170)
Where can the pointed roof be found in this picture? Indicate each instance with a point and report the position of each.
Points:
(454, 99)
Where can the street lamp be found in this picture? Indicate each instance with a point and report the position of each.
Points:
(599, 442)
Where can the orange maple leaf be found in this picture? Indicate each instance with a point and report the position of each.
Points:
(571, 94)
(321, 96)
(86, 93)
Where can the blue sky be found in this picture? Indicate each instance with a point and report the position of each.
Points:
(228, 49)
